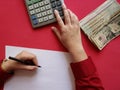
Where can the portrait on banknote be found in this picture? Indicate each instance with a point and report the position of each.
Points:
(102, 37)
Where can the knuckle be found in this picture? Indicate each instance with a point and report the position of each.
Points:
(24, 51)
(34, 56)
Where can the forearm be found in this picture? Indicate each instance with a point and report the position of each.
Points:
(86, 77)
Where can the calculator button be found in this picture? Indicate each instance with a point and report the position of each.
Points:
(61, 13)
(37, 10)
(46, 2)
(59, 9)
(29, 3)
(51, 16)
(32, 12)
(53, 9)
(36, 5)
(42, 8)
(53, 5)
(35, 1)
(48, 6)
(35, 22)
(52, 0)
(58, 3)
(46, 18)
(41, 3)
(49, 12)
(31, 7)
(39, 15)
(33, 17)
(40, 20)
(44, 13)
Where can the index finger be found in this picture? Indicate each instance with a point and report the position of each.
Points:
(66, 15)
(24, 55)
(35, 60)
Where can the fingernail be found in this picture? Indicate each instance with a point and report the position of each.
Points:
(55, 10)
(64, 5)
(52, 27)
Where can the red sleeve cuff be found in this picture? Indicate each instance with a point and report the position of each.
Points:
(83, 69)
(3, 75)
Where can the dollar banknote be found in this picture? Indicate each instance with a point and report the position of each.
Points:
(107, 33)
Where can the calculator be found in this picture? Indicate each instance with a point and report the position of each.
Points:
(41, 12)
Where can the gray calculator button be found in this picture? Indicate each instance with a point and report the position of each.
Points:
(37, 10)
(31, 7)
(48, 6)
(41, 3)
(32, 12)
(42, 8)
(46, 2)
(40, 20)
(46, 18)
(36, 5)
(51, 16)
(49, 12)
(39, 15)
(44, 13)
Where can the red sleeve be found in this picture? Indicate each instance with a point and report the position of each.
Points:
(3, 76)
(86, 77)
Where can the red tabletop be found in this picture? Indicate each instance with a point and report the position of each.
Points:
(16, 30)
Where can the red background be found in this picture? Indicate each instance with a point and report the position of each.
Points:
(15, 29)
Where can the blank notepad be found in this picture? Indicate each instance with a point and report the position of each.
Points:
(55, 73)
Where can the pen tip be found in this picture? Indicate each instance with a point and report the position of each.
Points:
(39, 66)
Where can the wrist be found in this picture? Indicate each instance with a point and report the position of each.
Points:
(78, 54)
(5, 67)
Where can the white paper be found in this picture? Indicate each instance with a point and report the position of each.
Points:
(55, 73)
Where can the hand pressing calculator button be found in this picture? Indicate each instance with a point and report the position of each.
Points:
(41, 12)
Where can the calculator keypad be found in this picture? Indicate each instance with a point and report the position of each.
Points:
(41, 12)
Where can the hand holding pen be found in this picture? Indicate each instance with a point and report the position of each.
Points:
(23, 61)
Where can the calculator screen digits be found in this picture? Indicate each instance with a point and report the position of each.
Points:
(41, 12)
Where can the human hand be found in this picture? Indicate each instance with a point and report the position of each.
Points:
(10, 65)
(69, 33)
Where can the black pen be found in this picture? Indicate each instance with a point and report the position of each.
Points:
(26, 62)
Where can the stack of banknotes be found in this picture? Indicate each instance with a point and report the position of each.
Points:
(103, 24)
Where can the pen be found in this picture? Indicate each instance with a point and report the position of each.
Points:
(26, 62)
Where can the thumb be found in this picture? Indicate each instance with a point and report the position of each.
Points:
(56, 31)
